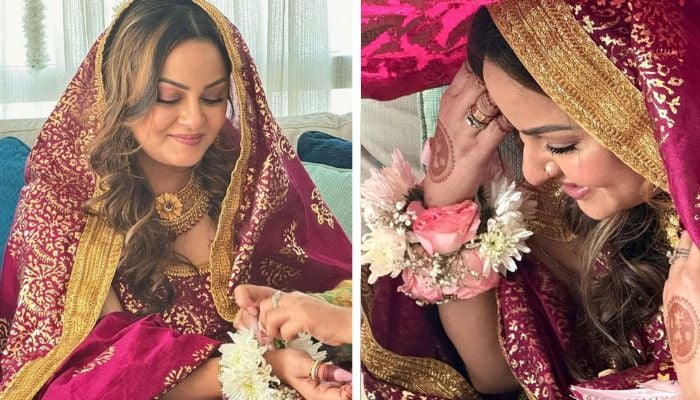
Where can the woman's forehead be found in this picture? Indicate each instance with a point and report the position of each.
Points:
(524, 107)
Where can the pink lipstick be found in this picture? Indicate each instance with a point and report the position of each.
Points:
(189, 140)
(575, 192)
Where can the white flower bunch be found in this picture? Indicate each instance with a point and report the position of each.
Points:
(244, 373)
(504, 239)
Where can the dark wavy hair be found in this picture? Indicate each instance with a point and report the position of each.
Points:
(619, 300)
(133, 59)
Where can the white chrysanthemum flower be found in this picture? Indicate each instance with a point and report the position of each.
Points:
(502, 244)
(305, 342)
(505, 197)
(384, 250)
(244, 374)
(243, 353)
(252, 384)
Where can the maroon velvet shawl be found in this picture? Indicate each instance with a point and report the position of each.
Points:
(274, 228)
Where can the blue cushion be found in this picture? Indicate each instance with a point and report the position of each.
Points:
(13, 157)
(321, 148)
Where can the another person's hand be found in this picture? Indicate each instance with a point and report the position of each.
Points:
(681, 312)
(293, 367)
(294, 313)
(461, 154)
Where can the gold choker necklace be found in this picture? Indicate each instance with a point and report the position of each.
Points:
(179, 212)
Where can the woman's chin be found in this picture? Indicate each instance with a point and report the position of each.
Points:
(594, 211)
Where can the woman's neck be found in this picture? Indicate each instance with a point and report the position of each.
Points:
(164, 178)
(563, 259)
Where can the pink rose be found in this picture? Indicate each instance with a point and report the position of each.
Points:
(416, 207)
(470, 286)
(444, 229)
(417, 287)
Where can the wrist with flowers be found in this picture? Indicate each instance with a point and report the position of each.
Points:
(441, 253)
(243, 371)
(341, 295)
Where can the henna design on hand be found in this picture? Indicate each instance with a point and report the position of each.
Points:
(683, 329)
(442, 161)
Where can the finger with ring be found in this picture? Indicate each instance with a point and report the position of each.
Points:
(678, 254)
(477, 119)
(313, 373)
(276, 299)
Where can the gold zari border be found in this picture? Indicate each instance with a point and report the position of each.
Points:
(578, 77)
(185, 271)
(419, 375)
(95, 263)
(96, 259)
(220, 263)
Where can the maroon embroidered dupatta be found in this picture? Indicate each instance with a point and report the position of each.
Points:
(624, 71)
(274, 230)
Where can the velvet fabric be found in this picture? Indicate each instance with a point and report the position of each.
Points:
(111, 364)
(60, 262)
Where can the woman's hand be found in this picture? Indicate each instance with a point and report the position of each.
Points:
(293, 367)
(681, 311)
(295, 313)
(461, 154)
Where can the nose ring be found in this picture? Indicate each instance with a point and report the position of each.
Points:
(547, 167)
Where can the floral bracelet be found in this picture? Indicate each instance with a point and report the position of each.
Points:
(442, 253)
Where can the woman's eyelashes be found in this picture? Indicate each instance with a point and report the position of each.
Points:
(560, 149)
(205, 100)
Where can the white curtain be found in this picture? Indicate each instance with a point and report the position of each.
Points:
(288, 39)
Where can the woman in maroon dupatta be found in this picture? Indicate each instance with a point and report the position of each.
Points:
(608, 81)
(158, 184)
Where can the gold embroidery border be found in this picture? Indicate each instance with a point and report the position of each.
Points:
(551, 44)
(419, 375)
(99, 249)
(185, 271)
(220, 264)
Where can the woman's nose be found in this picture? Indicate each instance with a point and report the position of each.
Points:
(192, 116)
(537, 169)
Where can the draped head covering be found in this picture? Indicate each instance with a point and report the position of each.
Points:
(624, 70)
(274, 228)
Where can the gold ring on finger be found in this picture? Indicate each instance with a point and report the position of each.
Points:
(480, 115)
(477, 119)
(313, 373)
(678, 254)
